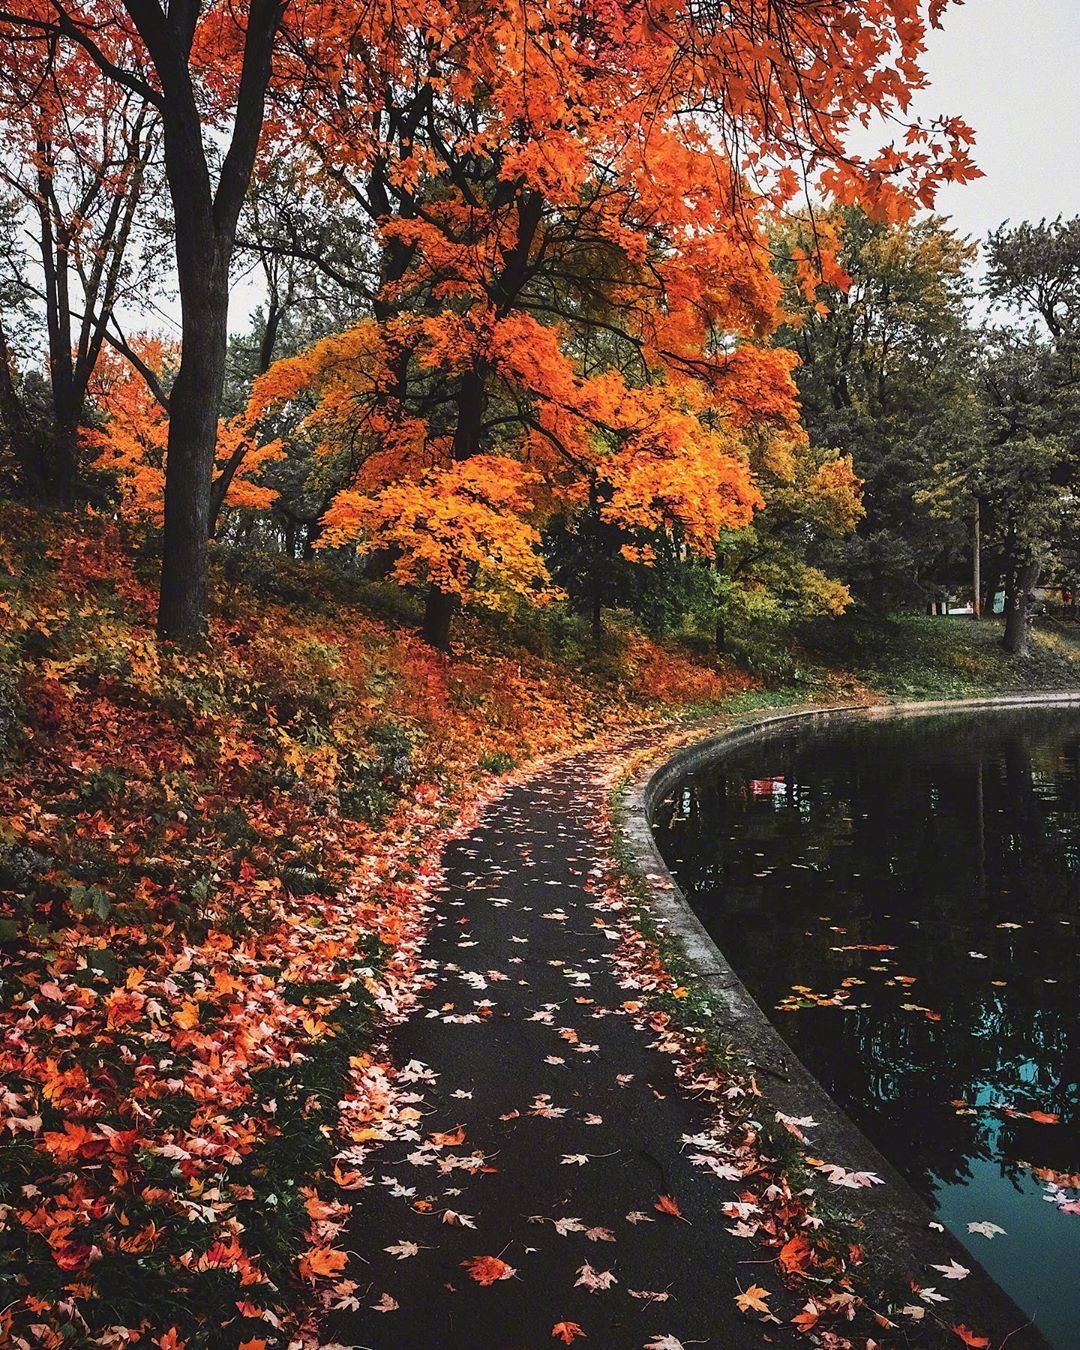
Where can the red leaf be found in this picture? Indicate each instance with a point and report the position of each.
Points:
(487, 1269)
(969, 1337)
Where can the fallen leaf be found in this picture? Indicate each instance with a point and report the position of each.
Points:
(953, 1271)
(487, 1269)
(451, 1137)
(969, 1337)
(402, 1250)
(796, 1254)
(807, 1319)
(323, 1261)
(567, 1332)
(753, 1299)
(594, 1279)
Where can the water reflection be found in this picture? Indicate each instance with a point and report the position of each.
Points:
(902, 899)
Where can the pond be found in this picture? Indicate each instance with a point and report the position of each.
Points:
(902, 898)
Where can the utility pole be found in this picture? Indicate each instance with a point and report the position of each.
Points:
(976, 565)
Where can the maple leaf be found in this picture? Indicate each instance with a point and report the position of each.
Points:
(985, 1229)
(323, 1262)
(753, 1299)
(451, 1137)
(402, 1250)
(257, 1344)
(666, 1205)
(953, 1271)
(187, 1016)
(808, 1317)
(796, 1254)
(594, 1280)
(567, 1332)
(664, 1343)
(970, 1337)
(386, 1304)
(487, 1269)
(840, 1176)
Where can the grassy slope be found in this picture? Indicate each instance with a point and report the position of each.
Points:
(916, 656)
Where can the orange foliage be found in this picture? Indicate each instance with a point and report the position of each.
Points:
(186, 953)
(132, 440)
(571, 219)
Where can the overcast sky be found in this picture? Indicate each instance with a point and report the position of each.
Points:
(1011, 68)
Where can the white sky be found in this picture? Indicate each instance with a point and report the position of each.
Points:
(1011, 69)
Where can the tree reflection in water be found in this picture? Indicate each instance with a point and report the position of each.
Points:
(954, 841)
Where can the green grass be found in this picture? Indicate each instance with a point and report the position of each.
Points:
(916, 656)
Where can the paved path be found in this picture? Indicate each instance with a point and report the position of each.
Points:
(555, 1113)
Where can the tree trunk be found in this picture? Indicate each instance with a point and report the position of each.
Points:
(1023, 577)
(976, 564)
(439, 609)
(596, 563)
(63, 467)
(193, 416)
(440, 606)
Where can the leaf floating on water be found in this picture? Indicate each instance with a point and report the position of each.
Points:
(988, 1230)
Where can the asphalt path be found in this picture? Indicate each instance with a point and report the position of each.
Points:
(551, 1124)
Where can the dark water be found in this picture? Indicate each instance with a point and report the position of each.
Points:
(953, 842)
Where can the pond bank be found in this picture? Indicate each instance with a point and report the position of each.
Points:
(901, 1246)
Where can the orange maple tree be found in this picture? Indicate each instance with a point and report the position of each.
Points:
(572, 281)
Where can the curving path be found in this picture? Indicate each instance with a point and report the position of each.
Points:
(550, 1124)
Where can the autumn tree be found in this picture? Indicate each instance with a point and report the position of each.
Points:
(77, 156)
(572, 295)
(204, 71)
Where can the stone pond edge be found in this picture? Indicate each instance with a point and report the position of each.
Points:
(900, 1243)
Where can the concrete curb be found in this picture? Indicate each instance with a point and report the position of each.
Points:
(900, 1243)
